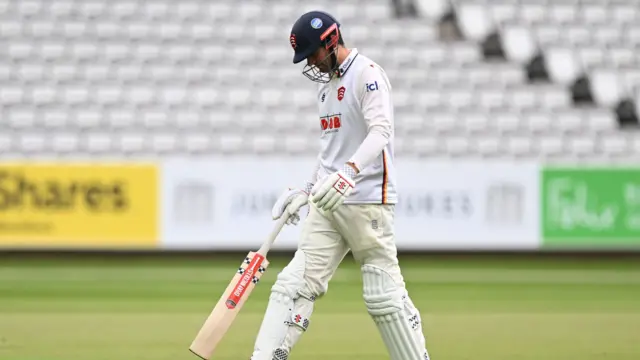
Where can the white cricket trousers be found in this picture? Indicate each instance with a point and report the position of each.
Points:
(365, 229)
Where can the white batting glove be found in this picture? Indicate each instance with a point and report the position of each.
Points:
(289, 204)
(329, 194)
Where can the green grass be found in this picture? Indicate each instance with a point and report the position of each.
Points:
(498, 308)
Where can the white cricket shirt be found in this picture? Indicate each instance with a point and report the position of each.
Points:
(353, 107)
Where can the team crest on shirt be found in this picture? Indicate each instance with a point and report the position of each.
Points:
(341, 91)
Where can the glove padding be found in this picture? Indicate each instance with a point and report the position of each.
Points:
(289, 204)
(329, 194)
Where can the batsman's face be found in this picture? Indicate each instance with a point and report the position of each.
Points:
(321, 60)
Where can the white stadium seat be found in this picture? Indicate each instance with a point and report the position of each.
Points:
(538, 122)
(551, 145)
(164, 143)
(457, 145)
(488, 145)
(61, 8)
(518, 43)
(11, 29)
(502, 12)
(507, 122)
(33, 142)
(56, 119)
(64, 143)
(130, 143)
(154, 119)
(614, 145)
(562, 13)
(6, 142)
(601, 121)
(263, 144)
(426, 146)
(578, 35)
(569, 121)
(583, 146)
(476, 121)
(475, 21)
(432, 9)
(533, 13)
(88, 119)
(595, 13)
(520, 146)
(605, 86)
(197, 143)
(98, 143)
(6, 72)
(119, 119)
(553, 97)
(625, 13)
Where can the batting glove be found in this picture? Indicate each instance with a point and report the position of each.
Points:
(289, 204)
(329, 194)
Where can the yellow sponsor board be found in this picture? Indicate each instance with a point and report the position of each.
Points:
(78, 206)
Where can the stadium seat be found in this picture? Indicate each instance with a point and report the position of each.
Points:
(551, 145)
(475, 21)
(131, 143)
(489, 146)
(601, 121)
(198, 143)
(537, 123)
(503, 12)
(520, 146)
(427, 147)
(605, 87)
(65, 143)
(476, 121)
(533, 13)
(614, 146)
(518, 43)
(21, 118)
(595, 13)
(32, 143)
(582, 146)
(432, 9)
(98, 143)
(164, 143)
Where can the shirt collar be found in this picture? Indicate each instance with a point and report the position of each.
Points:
(346, 64)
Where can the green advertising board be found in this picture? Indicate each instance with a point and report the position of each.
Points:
(596, 207)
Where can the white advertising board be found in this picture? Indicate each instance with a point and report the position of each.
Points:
(467, 205)
(225, 203)
(222, 203)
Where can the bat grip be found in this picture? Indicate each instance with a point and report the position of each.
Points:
(266, 246)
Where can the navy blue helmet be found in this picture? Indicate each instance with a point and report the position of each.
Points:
(310, 32)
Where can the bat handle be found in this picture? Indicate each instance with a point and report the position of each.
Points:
(266, 246)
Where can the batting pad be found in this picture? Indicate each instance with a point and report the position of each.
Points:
(287, 315)
(385, 303)
(274, 327)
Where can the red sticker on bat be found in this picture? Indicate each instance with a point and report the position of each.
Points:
(248, 277)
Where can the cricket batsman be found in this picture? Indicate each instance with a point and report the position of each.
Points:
(351, 196)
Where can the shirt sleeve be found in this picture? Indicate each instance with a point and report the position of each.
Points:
(376, 106)
(313, 178)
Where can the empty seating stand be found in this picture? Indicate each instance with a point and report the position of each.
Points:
(115, 78)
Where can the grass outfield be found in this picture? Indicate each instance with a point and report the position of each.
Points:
(484, 308)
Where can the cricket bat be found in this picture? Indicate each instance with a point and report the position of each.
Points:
(234, 297)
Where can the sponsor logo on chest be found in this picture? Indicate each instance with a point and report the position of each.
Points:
(330, 123)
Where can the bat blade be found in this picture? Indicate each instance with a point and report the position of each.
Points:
(228, 306)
